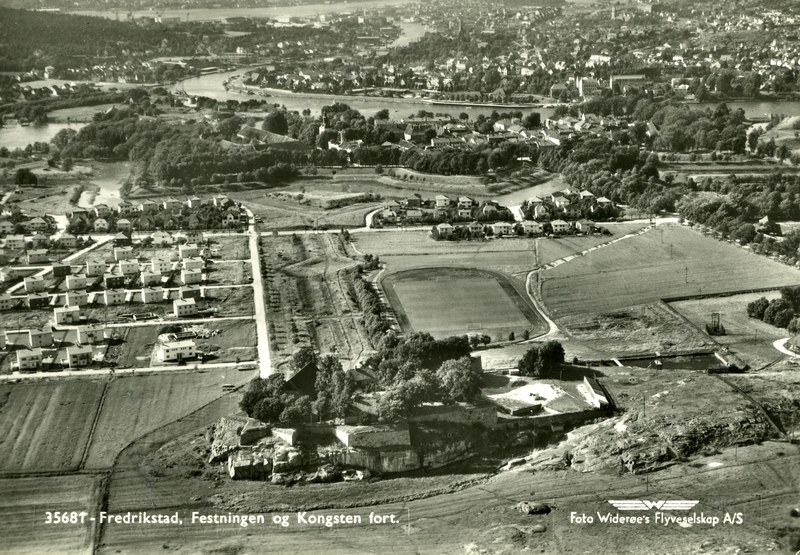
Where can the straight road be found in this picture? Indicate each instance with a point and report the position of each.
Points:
(265, 362)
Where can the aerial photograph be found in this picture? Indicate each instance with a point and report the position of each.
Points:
(423, 277)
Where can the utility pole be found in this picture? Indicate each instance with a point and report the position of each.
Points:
(687, 274)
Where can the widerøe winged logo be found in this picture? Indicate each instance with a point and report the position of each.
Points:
(639, 505)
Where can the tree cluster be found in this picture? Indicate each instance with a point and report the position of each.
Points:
(542, 361)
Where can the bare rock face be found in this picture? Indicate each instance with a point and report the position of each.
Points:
(225, 438)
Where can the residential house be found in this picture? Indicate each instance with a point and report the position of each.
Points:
(37, 300)
(40, 241)
(152, 295)
(8, 274)
(122, 239)
(7, 227)
(191, 292)
(194, 263)
(559, 226)
(68, 314)
(195, 202)
(11, 210)
(191, 277)
(77, 281)
(184, 307)
(37, 256)
(36, 224)
(7, 303)
(125, 207)
(77, 298)
(571, 211)
(541, 212)
(33, 284)
(586, 226)
(150, 278)
(475, 228)
(95, 269)
(69, 241)
(15, 242)
(465, 213)
(60, 270)
(148, 207)
(413, 215)
(194, 236)
(123, 253)
(177, 350)
(124, 224)
(79, 357)
(102, 211)
(113, 296)
(189, 250)
(502, 228)
(442, 201)
(162, 239)
(93, 334)
(172, 204)
(128, 267)
(222, 201)
(160, 266)
(444, 230)
(465, 202)
(531, 227)
(31, 338)
(29, 359)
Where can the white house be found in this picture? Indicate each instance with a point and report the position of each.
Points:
(29, 359)
(559, 226)
(77, 281)
(195, 263)
(79, 356)
(101, 224)
(68, 314)
(190, 277)
(160, 266)
(189, 250)
(150, 278)
(123, 253)
(502, 228)
(152, 294)
(129, 267)
(77, 298)
(531, 227)
(177, 350)
(95, 269)
(124, 224)
(113, 296)
(184, 307)
(161, 239)
(34, 284)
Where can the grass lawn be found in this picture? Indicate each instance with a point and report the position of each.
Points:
(230, 248)
(652, 266)
(446, 302)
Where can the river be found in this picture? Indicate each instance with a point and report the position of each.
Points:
(108, 177)
(19, 136)
(275, 12)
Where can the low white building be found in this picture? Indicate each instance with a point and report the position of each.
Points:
(152, 294)
(123, 253)
(189, 250)
(190, 277)
(77, 298)
(29, 359)
(95, 269)
(195, 263)
(77, 281)
(149, 278)
(114, 296)
(34, 284)
(177, 350)
(129, 267)
(68, 314)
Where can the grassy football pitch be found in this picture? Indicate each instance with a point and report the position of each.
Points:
(445, 301)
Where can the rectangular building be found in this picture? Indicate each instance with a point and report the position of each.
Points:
(68, 314)
(177, 350)
(34, 284)
(95, 269)
(29, 359)
(79, 357)
(113, 296)
(184, 307)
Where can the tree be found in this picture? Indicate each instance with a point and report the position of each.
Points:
(529, 363)
(792, 296)
(779, 313)
(461, 380)
(67, 164)
(24, 176)
(382, 114)
(302, 357)
(275, 122)
(542, 360)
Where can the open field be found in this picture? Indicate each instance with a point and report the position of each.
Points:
(22, 514)
(136, 405)
(235, 340)
(644, 269)
(137, 344)
(280, 212)
(748, 338)
(550, 250)
(229, 248)
(444, 302)
(230, 301)
(229, 272)
(45, 425)
(515, 264)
